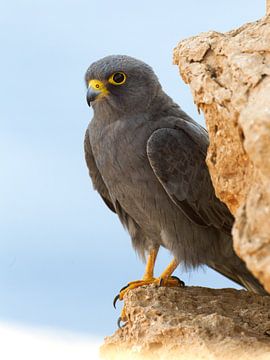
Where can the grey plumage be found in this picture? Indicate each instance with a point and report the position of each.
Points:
(146, 158)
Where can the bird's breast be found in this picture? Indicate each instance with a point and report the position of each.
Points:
(120, 153)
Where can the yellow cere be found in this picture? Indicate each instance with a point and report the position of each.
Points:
(98, 86)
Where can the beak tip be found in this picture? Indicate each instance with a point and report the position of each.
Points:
(88, 101)
(91, 95)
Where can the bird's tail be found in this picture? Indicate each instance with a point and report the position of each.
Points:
(236, 270)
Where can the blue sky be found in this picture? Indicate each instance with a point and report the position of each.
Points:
(63, 254)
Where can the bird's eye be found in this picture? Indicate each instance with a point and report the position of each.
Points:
(118, 78)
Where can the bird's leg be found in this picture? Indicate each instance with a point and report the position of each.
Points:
(149, 270)
(165, 279)
(148, 277)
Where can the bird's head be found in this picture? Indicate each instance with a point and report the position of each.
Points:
(121, 83)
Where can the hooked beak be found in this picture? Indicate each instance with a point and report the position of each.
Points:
(96, 88)
(91, 95)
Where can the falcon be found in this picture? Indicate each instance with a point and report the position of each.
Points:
(146, 158)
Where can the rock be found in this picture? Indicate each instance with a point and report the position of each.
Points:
(229, 76)
(192, 323)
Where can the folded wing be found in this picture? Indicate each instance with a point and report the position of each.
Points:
(177, 157)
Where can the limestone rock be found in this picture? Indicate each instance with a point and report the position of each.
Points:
(192, 323)
(229, 76)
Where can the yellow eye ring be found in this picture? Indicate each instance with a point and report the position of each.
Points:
(118, 78)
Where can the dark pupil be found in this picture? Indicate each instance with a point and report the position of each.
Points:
(118, 78)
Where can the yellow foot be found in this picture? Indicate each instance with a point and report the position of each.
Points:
(172, 281)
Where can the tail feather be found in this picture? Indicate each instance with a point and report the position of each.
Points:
(239, 274)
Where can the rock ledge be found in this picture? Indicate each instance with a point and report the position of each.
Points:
(192, 323)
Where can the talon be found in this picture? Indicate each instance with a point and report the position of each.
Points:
(181, 283)
(165, 279)
(115, 300)
(124, 287)
(117, 297)
(171, 281)
(119, 323)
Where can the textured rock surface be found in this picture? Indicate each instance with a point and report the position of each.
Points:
(192, 323)
(229, 76)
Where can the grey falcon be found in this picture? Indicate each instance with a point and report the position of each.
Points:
(146, 158)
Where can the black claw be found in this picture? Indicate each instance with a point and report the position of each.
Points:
(119, 323)
(115, 300)
(181, 283)
(118, 296)
(124, 287)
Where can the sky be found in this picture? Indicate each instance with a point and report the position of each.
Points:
(63, 254)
